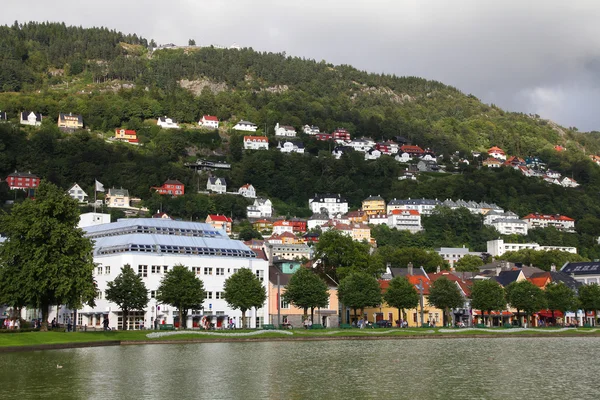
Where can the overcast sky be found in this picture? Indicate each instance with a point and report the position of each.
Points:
(535, 56)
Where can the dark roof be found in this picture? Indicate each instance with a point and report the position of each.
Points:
(581, 268)
(404, 271)
(505, 278)
(172, 182)
(25, 115)
(558, 276)
(62, 116)
(373, 198)
(23, 174)
(320, 197)
(3, 115)
(213, 180)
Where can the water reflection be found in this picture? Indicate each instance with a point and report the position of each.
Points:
(533, 368)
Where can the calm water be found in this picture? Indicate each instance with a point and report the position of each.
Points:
(555, 368)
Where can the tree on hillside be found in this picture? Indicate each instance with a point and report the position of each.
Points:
(306, 290)
(243, 290)
(359, 290)
(541, 259)
(182, 289)
(45, 260)
(487, 295)
(469, 263)
(401, 257)
(445, 294)
(338, 255)
(589, 299)
(191, 42)
(561, 298)
(128, 292)
(525, 296)
(402, 295)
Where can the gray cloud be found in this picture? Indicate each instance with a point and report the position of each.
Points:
(532, 56)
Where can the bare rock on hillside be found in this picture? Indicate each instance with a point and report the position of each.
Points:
(196, 86)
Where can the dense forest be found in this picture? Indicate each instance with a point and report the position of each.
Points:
(119, 80)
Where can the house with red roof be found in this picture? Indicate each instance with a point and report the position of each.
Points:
(405, 220)
(497, 152)
(247, 191)
(256, 143)
(126, 135)
(209, 121)
(341, 134)
(492, 162)
(22, 180)
(221, 222)
(411, 150)
(282, 226)
(560, 222)
(172, 187)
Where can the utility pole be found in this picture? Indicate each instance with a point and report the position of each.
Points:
(421, 289)
(278, 301)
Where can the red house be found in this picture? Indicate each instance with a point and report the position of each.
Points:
(324, 136)
(341, 134)
(22, 180)
(220, 222)
(412, 150)
(172, 187)
(298, 224)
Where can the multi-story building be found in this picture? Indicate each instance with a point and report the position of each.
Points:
(117, 198)
(69, 122)
(405, 220)
(21, 180)
(285, 130)
(245, 126)
(247, 191)
(152, 247)
(167, 123)
(497, 152)
(341, 134)
(288, 251)
(328, 203)
(262, 208)
(453, 254)
(497, 247)
(216, 184)
(77, 193)
(256, 143)
(31, 118)
(560, 222)
(221, 222)
(374, 205)
(172, 187)
(209, 121)
(126, 135)
(423, 206)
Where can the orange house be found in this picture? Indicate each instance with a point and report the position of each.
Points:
(222, 222)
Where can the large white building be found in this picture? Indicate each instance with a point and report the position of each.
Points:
(560, 222)
(167, 123)
(152, 247)
(507, 223)
(330, 203)
(498, 247)
(262, 208)
(405, 220)
(285, 130)
(245, 126)
(256, 143)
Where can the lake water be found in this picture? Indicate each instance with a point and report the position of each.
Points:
(501, 368)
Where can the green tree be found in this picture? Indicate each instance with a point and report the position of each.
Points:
(338, 255)
(469, 263)
(445, 294)
(589, 298)
(561, 298)
(402, 295)
(400, 257)
(306, 290)
(525, 296)
(45, 260)
(359, 290)
(182, 289)
(243, 290)
(191, 42)
(128, 292)
(488, 295)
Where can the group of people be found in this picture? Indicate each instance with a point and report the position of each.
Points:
(10, 323)
(401, 323)
(307, 323)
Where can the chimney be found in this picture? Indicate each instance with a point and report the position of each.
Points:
(410, 268)
(553, 268)
(437, 270)
(498, 270)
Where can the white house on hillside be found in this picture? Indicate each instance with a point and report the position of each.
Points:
(77, 193)
(209, 121)
(167, 123)
(32, 118)
(256, 143)
(405, 220)
(291, 147)
(245, 126)
(329, 203)
(218, 185)
(310, 130)
(262, 208)
(285, 130)
(247, 191)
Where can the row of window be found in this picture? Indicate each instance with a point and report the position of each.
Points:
(158, 230)
(103, 270)
(200, 251)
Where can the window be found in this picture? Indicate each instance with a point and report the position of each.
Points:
(165, 269)
(284, 304)
(208, 270)
(220, 271)
(209, 295)
(260, 274)
(153, 294)
(155, 269)
(99, 271)
(196, 270)
(219, 295)
(107, 270)
(143, 271)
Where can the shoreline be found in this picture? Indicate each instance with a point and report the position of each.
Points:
(107, 343)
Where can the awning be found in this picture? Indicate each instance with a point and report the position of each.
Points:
(548, 314)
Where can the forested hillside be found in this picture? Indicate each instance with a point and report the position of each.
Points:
(114, 80)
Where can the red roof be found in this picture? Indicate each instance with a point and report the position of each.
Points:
(126, 131)
(495, 149)
(411, 212)
(210, 118)
(466, 287)
(281, 222)
(540, 281)
(255, 139)
(411, 149)
(548, 217)
(220, 218)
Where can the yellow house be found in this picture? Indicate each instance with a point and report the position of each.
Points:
(384, 312)
(70, 121)
(361, 232)
(327, 316)
(374, 205)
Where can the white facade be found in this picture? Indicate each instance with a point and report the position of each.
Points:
(405, 220)
(362, 145)
(262, 208)
(285, 130)
(247, 191)
(453, 254)
(568, 182)
(31, 118)
(92, 218)
(330, 203)
(256, 143)
(77, 193)
(310, 130)
(423, 206)
(245, 126)
(167, 123)
(510, 226)
(282, 227)
(117, 198)
(403, 157)
(156, 246)
(319, 220)
(498, 247)
(378, 219)
(209, 121)
(291, 147)
(372, 154)
(218, 185)
(559, 222)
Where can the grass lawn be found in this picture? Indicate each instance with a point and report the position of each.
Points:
(44, 338)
